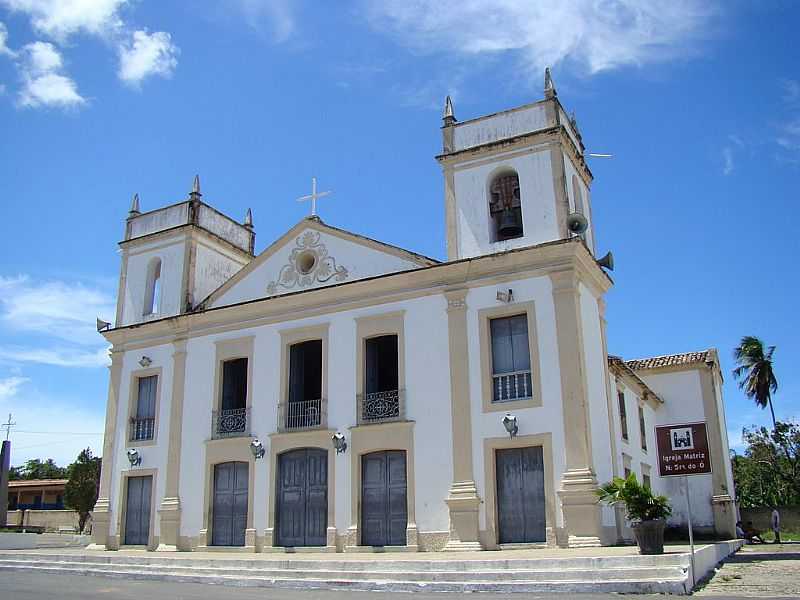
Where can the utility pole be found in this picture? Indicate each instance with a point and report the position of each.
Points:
(5, 464)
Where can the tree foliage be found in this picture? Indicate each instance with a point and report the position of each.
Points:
(37, 469)
(640, 502)
(754, 372)
(83, 485)
(768, 474)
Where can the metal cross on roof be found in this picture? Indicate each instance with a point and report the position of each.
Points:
(8, 425)
(313, 196)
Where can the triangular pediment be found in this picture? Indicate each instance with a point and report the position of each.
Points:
(312, 255)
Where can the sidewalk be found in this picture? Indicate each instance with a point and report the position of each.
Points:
(761, 570)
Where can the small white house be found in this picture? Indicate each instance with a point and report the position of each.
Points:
(338, 393)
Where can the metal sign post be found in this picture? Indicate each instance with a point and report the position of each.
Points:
(683, 452)
(689, 520)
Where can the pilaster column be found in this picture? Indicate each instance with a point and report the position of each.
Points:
(170, 509)
(578, 483)
(462, 500)
(101, 514)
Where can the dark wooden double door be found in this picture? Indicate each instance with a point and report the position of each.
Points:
(137, 511)
(384, 504)
(231, 482)
(520, 495)
(302, 498)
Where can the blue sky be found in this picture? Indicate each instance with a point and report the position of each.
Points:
(699, 102)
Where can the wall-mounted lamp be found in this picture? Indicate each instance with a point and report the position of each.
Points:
(339, 442)
(506, 296)
(510, 423)
(145, 361)
(134, 457)
(257, 448)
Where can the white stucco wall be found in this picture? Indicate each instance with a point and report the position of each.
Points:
(537, 197)
(214, 265)
(547, 418)
(172, 255)
(596, 391)
(499, 126)
(427, 403)
(361, 261)
(683, 403)
(153, 456)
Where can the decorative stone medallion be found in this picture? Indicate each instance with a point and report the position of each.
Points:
(308, 264)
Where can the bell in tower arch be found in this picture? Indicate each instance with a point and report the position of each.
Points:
(505, 207)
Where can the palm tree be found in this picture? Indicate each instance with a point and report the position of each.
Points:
(754, 372)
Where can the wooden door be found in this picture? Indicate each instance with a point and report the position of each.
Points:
(137, 511)
(520, 495)
(302, 498)
(230, 504)
(384, 503)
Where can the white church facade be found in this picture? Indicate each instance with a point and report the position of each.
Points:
(334, 393)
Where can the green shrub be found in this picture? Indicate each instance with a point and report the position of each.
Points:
(640, 503)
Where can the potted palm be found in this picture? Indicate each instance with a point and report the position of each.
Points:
(647, 512)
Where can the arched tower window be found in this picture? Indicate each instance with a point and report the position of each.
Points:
(505, 208)
(153, 288)
(577, 196)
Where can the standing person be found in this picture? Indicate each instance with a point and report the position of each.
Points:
(776, 524)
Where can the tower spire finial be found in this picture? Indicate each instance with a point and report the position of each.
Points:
(195, 195)
(448, 116)
(134, 206)
(248, 219)
(549, 86)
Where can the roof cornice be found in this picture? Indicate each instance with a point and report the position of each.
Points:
(543, 259)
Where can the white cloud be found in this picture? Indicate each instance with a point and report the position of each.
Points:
(10, 385)
(276, 15)
(59, 19)
(147, 54)
(727, 158)
(4, 49)
(597, 35)
(44, 83)
(55, 357)
(62, 317)
(57, 309)
(789, 136)
(52, 426)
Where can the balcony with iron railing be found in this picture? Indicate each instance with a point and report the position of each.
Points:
(381, 407)
(230, 422)
(142, 428)
(507, 387)
(303, 415)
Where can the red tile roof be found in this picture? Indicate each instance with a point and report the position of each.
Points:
(669, 360)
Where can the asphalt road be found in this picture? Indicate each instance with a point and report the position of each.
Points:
(24, 586)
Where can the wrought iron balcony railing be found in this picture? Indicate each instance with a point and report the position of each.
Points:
(142, 428)
(512, 386)
(304, 414)
(230, 422)
(378, 407)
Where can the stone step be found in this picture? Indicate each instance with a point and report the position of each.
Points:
(321, 571)
(675, 585)
(398, 565)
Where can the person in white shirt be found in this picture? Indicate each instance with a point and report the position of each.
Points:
(776, 524)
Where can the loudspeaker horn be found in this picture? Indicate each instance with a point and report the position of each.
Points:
(607, 262)
(577, 223)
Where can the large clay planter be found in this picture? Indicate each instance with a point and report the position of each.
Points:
(649, 536)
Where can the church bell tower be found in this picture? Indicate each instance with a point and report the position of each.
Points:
(515, 178)
(173, 257)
